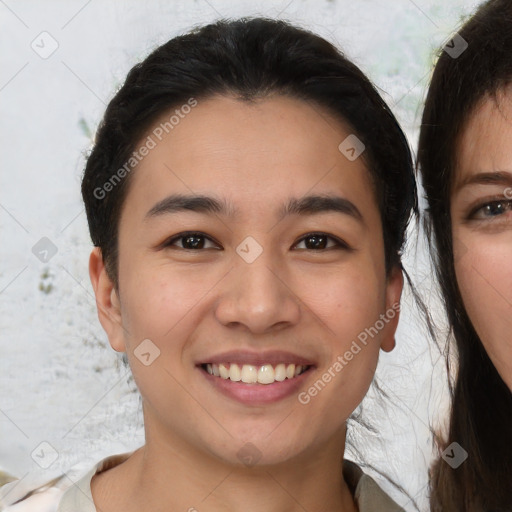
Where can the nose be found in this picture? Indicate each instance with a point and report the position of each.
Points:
(257, 297)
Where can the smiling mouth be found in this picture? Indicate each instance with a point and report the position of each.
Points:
(255, 374)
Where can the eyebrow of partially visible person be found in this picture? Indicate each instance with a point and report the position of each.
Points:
(486, 178)
(307, 205)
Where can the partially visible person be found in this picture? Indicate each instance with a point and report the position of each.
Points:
(465, 160)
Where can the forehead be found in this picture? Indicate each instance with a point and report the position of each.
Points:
(250, 152)
(486, 140)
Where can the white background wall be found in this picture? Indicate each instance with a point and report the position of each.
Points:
(59, 380)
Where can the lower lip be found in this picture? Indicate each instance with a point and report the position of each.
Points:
(257, 394)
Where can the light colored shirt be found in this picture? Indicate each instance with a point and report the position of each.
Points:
(64, 495)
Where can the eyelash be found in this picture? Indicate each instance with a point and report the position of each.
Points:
(340, 244)
(498, 201)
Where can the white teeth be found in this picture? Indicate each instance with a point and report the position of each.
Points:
(250, 374)
(223, 370)
(280, 372)
(266, 374)
(234, 373)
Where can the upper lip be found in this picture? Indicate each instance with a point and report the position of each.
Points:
(272, 357)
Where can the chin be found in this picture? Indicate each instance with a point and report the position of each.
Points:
(258, 450)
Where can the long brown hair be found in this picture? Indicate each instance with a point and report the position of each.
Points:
(481, 411)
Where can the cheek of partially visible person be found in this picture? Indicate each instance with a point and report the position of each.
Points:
(481, 211)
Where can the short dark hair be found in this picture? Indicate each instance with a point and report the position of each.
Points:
(248, 58)
(481, 411)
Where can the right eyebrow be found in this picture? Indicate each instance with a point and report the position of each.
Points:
(200, 204)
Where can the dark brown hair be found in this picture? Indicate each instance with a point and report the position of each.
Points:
(481, 411)
(249, 58)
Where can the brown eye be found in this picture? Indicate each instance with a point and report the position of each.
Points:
(189, 241)
(319, 241)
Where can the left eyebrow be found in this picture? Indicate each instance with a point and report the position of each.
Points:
(486, 178)
(308, 205)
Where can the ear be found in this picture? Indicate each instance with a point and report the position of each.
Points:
(394, 286)
(107, 301)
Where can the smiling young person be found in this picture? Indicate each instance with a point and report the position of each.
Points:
(255, 237)
(465, 158)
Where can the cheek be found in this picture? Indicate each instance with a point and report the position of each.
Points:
(158, 298)
(350, 305)
(161, 306)
(484, 276)
(351, 300)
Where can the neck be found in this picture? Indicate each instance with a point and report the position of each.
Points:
(169, 474)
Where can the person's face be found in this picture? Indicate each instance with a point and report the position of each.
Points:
(481, 211)
(252, 285)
